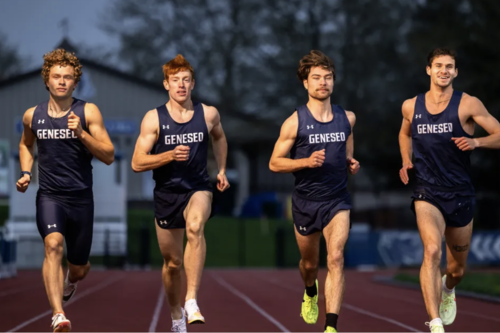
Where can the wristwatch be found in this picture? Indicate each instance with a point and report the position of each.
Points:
(25, 173)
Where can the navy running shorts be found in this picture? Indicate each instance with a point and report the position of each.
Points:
(70, 216)
(457, 206)
(169, 208)
(310, 216)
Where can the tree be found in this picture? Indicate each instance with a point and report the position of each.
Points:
(245, 54)
(469, 27)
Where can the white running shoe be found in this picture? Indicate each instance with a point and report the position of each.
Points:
(448, 306)
(60, 323)
(193, 313)
(435, 328)
(69, 289)
(180, 324)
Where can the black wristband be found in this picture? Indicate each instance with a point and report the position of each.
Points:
(25, 173)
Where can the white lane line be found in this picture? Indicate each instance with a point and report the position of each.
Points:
(156, 315)
(351, 307)
(80, 296)
(247, 300)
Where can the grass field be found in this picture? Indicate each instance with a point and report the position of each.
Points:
(481, 283)
(4, 214)
(231, 242)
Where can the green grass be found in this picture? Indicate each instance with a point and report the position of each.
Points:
(481, 283)
(4, 214)
(231, 242)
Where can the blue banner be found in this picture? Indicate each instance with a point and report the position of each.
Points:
(404, 248)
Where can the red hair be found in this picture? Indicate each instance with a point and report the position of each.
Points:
(176, 65)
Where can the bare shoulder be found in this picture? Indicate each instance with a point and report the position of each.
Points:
(91, 109)
(409, 107)
(151, 119)
(28, 116)
(351, 116)
(290, 126)
(92, 113)
(211, 114)
(472, 104)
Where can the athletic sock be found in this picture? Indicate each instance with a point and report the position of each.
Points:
(445, 288)
(331, 320)
(311, 291)
(436, 321)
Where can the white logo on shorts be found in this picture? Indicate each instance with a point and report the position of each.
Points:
(163, 222)
(51, 226)
(302, 228)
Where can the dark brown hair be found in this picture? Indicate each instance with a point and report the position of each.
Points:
(441, 51)
(315, 58)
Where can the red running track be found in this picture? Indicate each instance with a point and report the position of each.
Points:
(231, 301)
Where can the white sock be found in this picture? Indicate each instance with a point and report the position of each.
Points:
(436, 321)
(445, 289)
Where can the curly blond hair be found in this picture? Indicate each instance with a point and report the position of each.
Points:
(61, 57)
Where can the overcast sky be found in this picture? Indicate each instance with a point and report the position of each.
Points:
(33, 26)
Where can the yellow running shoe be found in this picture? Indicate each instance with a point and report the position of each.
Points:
(448, 306)
(310, 308)
(330, 329)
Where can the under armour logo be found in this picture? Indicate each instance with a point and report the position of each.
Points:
(302, 228)
(310, 127)
(418, 116)
(51, 226)
(163, 222)
(166, 126)
(41, 121)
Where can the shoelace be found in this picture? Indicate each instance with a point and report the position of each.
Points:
(178, 327)
(309, 301)
(431, 326)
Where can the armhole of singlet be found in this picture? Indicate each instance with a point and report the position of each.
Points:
(298, 126)
(202, 115)
(159, 122)
(420, 99)
(86, 126)
(32, 118)
(459, 100)
(337, 109)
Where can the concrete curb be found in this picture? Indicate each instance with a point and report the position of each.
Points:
(388, 280)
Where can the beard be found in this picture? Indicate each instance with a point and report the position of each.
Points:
(320, 96)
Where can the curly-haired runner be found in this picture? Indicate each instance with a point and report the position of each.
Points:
(318, 136)
(68, 132)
